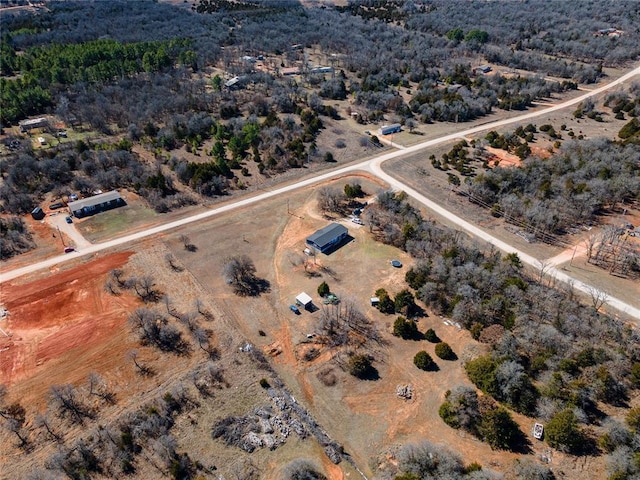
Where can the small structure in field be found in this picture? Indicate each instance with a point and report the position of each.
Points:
(96, 204)
(375, 301)
(389, 129)
(304, 300)
(37, 213)
(538, 431)
(484, 69)
(328, 237)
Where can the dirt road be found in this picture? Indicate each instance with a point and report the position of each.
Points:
(373, 166)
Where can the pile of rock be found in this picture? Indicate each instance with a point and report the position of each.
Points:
(404, 391)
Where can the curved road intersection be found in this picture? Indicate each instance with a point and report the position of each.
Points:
(374, 166)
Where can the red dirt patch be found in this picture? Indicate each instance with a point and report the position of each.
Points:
(504, 158)
(60, 321)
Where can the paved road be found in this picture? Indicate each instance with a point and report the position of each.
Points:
(374, 166)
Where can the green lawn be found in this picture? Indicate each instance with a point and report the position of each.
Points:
(113, 223)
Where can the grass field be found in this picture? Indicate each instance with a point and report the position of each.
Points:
(113, 223)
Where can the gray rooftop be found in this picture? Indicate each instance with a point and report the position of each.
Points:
(327, 234)
(92, 201)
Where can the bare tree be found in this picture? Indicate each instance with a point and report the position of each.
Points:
(42, 420)
(98, 387)
(14, 418)
(203, 310)
(65, 399)
(598, 297)
(186, 242)
(118, 276)
(202, 336)
(240, 272)
(145, 288)
(110, 288)
(173, 263)
(170, 310)
(330, 199)
(142, 368)
(543, 268)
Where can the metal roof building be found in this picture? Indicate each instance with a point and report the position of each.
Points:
(96, 204)
(304, 300)
(327, 237)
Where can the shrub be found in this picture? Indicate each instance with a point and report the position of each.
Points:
(264, 383)
(633, 419)
(444, 351)
(423, 361)
(323, 289)
(404, 302)
(360, 366)
(431, 336)
(385, 305)
(562, 432)
(482, 372)
(498, 429)
(404, 328)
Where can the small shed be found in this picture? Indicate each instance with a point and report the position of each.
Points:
(483, 69)
(304, 300)
(375, 301)
(37, 213)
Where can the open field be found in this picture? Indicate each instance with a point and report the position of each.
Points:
(365, 417)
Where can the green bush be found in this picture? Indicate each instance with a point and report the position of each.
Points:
(404, 328)
(444, 351)
(482, 372)
(360, 366)
(448, 415)
(423, 361)
(499, 430)
(431, 336)
(633, 419)
(562, 432)
(323, 289)
(264, 383)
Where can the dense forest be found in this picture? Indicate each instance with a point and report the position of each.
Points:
(82, 62)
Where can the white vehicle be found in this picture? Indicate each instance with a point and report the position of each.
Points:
(357, 221)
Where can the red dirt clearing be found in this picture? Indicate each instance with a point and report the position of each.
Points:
(56, 325)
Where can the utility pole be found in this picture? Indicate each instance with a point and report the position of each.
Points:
(61, 237)
(574, 254)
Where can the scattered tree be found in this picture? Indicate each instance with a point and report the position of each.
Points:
(240, 272)
(444, 351)
(423, 361)
(323, 289)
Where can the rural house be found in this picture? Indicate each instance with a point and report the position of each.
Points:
(96, 204)
(328, 237)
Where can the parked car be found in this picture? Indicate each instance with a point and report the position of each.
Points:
(294, 309)
(62, 133)
(68, 220)
(73, 197)
(69, 249)
(55, 206)
(357, 221)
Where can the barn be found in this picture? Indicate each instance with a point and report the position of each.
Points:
(328, 237)
(96, 204)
